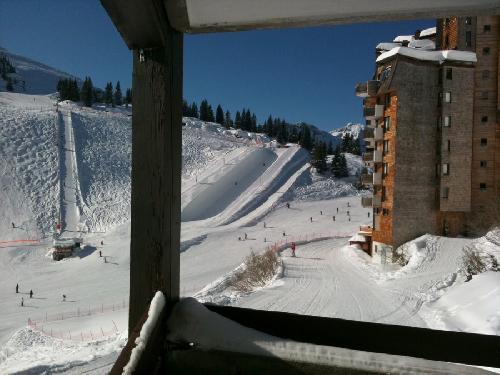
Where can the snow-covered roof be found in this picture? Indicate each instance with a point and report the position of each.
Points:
(357, 238)
(438, 56)
(422, 44)
(64, 242)
(428, 32)
(387, 46)
(403, 38)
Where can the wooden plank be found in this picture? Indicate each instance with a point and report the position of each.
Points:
(156, 171)
(458, 347)
(137, 22)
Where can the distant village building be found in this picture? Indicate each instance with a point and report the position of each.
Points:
(431, 117)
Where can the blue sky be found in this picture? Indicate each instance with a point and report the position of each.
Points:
(297, 74)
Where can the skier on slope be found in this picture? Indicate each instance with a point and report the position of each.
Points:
(17, 288)
(31, 293)
(293, 249)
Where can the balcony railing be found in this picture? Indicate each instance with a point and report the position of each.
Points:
(378, 134)
(376, 201)
(369, 113)
(377, 178)
(366, 202)
(370, 144)
(370, 88)
(362, 89)
(367, 179)
(368, 157)
(368, 134)
(377, 156)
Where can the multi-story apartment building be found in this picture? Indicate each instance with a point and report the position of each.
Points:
(432, 130)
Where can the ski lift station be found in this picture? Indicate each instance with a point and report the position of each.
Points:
(65, 247)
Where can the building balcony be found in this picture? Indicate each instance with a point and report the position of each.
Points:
(370, 124)
(368, 157)
(368, 134)
(362, 89)
(369, 88)
(377, 156)
(376, 222)
(366, 202)
(378, 134)
(367, 179)
(373, 113)
(377, 178)
(376, 201)
(379, 111)
(370, 144)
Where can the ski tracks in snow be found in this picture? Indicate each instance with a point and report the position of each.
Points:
(323, 281)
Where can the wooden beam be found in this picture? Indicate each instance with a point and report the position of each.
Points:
(156, 172)
(447, 346)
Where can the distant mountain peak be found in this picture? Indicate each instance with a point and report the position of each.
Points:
(351, 128)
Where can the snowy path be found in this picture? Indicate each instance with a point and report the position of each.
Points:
(323, 281)
(70, 215)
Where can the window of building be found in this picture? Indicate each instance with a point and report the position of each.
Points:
(377, 210)
(449, 73)
(485, 74)
(468, 39)
(483, 163)
(386, 146)
(468, 20)
(486, 51)
(448, 145)
(387, 100)
(447, 121)
(385, 211)
(487, 28)
(383, 197)
(484, 95)
(484, 119)
(387, 123)
(482, 186)
(445, 191)
(446, 169)
(484, 142)
(385, 169)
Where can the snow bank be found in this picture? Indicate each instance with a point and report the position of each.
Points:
(32, 352)
(387, 46)
(438, 56)
(155, 309)
(403, 38)
(422, 44)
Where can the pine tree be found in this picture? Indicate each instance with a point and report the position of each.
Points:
(204, 110)
(248, 121)
(86, 92)
(9, 86)
(319, 157)
(268, 126)
(237, 120)
(219, 115)
(128, 97)
(210, 115)
(108, 93)
(194, 110)
(185, 109)
(253, 123)
(344, 171)
(118, 94)
(330, 148)
(305, 138)
(227, 120)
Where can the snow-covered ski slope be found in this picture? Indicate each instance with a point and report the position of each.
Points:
(38, 78)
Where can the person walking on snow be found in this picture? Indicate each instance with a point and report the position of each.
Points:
(333, 218)
(22, 301)
(337, 210)
(293, 249)
(311, 219)
(288, 205)
(264, 224)
(17, 288)
(13, 226)
(31, 293)
(321, 212)
(246, 236)
(64, 297)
